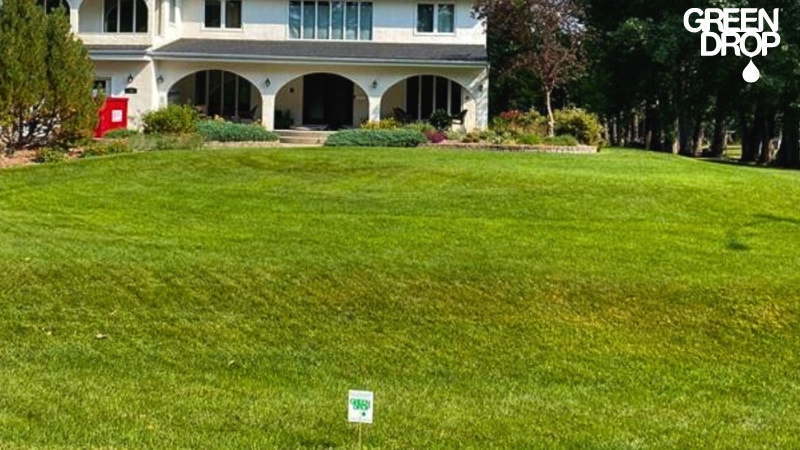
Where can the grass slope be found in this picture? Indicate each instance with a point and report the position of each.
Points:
(492, 301)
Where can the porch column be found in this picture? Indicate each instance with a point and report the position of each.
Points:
(268, 111)
(74, 20)
(374, 108)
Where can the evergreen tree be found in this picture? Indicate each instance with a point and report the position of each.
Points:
(45, 78)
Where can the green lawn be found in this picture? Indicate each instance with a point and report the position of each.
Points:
(626, 300)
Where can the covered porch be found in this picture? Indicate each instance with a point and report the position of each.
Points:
(324, 85)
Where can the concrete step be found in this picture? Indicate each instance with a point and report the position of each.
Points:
(303, 137)
(314, 140)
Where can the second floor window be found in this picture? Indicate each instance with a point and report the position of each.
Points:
(125, 16)
(330, 20)
(435, 18)
(52, 5)
(223, 14)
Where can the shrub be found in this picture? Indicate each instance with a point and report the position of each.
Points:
(284, 119)
(155, 142)
(435, 136)
(441, 120)
(516, 121)
(562, 140)
(106, 148)
(212, 130)
(174, 119)
(120, 133)
(471, 137)
(529, 139)
(422, 127)
(376, 138)
(578, 123)
(383, 124)
(50, 155)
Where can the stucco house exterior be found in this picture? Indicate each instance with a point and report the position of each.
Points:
(289, 62)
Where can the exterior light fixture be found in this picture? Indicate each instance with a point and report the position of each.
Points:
(160, 79)
(267, 82)
(374, 84)
(130, 78)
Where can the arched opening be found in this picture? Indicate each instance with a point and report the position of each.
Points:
(53, 5)
(417, 97)
(218, 93)
(322, 101)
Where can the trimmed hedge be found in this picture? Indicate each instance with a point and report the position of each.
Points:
(213, 130)
(376, 138)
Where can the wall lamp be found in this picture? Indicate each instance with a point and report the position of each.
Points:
(374, 84)
(130, 78)
(480, 87)
(160, 79)
(267, 82)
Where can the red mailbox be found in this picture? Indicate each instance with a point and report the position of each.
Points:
(113, 115)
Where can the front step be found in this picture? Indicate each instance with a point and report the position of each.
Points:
(303, 137)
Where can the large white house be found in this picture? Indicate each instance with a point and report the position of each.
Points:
(289, 62)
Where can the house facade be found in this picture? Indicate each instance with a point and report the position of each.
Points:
(288, 63)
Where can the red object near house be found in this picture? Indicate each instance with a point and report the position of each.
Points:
(113, 115)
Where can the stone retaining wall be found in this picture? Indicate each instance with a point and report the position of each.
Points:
(575, 150)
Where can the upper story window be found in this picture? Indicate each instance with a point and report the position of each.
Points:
(173, 11)
(125, 16)
(330, 20)
(435, 18)
(223, 14)
(52, 5)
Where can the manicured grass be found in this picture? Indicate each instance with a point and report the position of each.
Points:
(624, 300)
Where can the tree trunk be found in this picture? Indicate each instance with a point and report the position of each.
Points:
(789, 153)
(551, 121)
(766, 132)
(698, 137)
(719, 141)
(750, 139)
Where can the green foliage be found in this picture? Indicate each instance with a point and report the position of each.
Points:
(221, 131)
(50, 155)
(158, 142)
(563, 140)
(284, 119)
(120, 133)
(441, 120)
(45, 79)
(174, 119)
(376, 138)
(516, 121)
(422, 127)
(108, 147)
(582, 125)
(383, 124)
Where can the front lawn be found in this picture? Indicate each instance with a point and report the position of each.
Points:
(228, 299)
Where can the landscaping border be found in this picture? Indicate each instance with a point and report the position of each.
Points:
(247, 144)
(573, 149)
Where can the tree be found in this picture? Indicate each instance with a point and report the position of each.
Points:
(546, 37)
(45, 78)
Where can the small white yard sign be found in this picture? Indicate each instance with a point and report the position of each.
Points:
(360, 405)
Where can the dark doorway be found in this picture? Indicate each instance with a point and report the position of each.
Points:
(327, 100)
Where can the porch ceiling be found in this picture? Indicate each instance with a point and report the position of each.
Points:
(324, 51)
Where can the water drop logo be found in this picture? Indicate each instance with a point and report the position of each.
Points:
(735, 29)
(751, 73)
